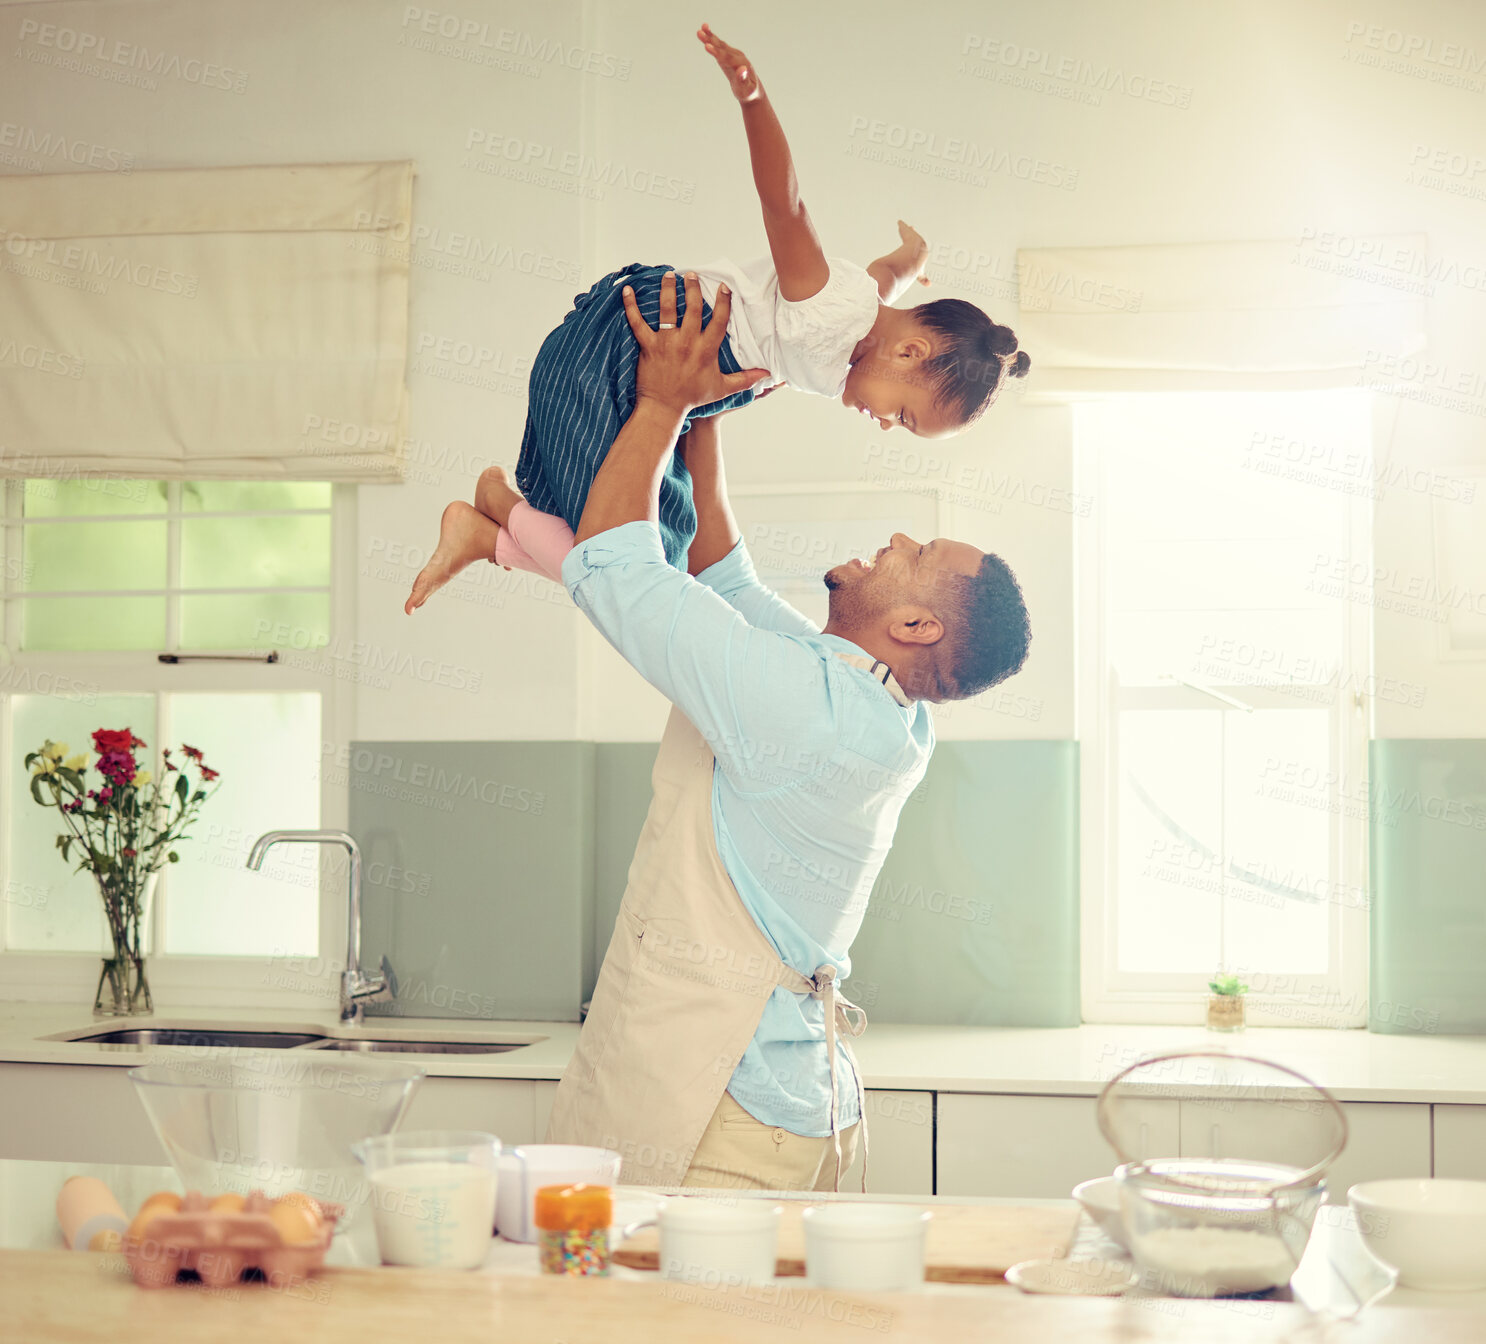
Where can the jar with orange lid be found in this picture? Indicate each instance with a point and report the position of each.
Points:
(573, 1228)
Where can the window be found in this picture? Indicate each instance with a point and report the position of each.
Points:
(152, 565)
(100, 577)
(1223, 670)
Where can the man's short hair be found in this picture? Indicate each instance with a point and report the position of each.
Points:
(988, 638)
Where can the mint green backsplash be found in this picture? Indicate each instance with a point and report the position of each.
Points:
(975, 917)
(478, 874)
(1428, 916)
(974, 920)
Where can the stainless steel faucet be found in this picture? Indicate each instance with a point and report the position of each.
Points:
(357, 989)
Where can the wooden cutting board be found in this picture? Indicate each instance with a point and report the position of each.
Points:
(967, 1243)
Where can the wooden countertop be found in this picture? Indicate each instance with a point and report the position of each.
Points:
(70, 1298)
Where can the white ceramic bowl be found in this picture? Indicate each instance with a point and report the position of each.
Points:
(718, 1241)
(1101, 1201)
(865, 1247)
(1432, 1232)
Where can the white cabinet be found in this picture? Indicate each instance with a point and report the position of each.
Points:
(901, 1133)
(1041, 1147)
(1035, 1147)
(1384, 1138)
(505, 1107)
(1460, 1141)
(73, 1113)
(81, 1113)
(542, 1099)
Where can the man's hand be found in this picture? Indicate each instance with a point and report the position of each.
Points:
(678, 364)
(742, 77)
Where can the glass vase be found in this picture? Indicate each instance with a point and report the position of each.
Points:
(123, 982)
(1225, 1012)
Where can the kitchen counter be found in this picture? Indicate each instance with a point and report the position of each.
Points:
(54, 1297)
(1074, 1061)
(54, 1294)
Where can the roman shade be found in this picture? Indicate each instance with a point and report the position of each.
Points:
(206, 323)
(1314, 311)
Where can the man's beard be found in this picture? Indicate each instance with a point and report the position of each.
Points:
(850, 604)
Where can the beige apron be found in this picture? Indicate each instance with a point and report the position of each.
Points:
(683, 986)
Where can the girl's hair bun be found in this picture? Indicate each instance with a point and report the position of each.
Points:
(1001, 340)
(1019, 365)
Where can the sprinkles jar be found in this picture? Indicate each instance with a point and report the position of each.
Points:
(573, 1228)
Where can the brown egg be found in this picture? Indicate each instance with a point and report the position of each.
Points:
(228, 1203)
(294, 1223)
(308, 1203)
(162, 1197)
(151, 1210)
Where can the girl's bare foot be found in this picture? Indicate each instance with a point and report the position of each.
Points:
(465, 535)
(495, 496)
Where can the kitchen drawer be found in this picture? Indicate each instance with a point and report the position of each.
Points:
(901, 1126)
(74, 1113)
(1033, 1147)
(505, 1107)
(1460, 1141)
(542, 1094)
(82, 1113)
(1384, 1138)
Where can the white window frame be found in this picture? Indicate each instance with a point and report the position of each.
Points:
(206, 981)
(1339, 1000)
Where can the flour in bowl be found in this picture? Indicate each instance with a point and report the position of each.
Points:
(1211, 1261)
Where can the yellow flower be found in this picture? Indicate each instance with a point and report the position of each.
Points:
(56, 750)
(141, 779)
(77, 762)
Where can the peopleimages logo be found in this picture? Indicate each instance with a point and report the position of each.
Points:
(951, 156)
(70, 48)
(58, 148)
(485, 44)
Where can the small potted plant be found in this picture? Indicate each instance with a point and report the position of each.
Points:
(1225, 1003)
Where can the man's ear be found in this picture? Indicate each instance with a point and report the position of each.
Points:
(915, 625)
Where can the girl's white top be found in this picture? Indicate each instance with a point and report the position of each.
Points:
(806, 344)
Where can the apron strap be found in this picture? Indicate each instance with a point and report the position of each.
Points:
(841, 1014)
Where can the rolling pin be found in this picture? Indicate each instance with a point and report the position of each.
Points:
(90, 1216)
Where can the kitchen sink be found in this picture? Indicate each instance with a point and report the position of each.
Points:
(252, 1040)
(423, 1047)
(213, 1037)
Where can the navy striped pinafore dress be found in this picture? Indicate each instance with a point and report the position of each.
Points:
(582, 391)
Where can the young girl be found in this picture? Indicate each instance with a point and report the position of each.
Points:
(818, 325)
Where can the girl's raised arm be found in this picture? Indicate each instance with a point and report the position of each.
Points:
(798, 257)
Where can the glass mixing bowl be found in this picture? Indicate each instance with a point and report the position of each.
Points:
(1215, 1227)
(274, 1120)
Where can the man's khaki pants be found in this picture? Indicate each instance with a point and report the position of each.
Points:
(740, 1153)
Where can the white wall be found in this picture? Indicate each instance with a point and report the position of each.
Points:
(1286, 129)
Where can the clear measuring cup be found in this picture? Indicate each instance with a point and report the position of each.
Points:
(432, 1196)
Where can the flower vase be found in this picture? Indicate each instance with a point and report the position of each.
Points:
(123, 985)
(1225, 1012)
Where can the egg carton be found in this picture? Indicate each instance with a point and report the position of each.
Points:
(221, 1247)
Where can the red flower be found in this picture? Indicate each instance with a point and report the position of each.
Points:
(128, 853)
(208, 774)
(191, 752)
(115, 739)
